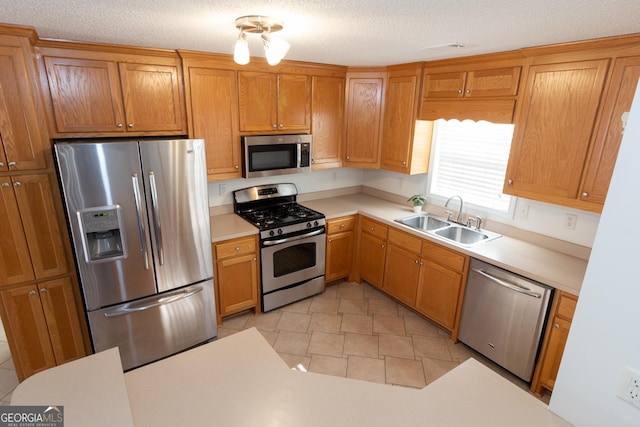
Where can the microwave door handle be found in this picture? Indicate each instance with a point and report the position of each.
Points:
(156, 216)
(141, 234)
(291, 239)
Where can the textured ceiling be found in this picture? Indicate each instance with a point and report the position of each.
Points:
(344, 32)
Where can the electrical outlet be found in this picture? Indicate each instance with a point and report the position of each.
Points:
(223, 189)
(570, 221)
(524, 211)
(629, 387)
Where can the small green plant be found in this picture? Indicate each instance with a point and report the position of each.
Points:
(417, 200)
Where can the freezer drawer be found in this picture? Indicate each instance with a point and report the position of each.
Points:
(503, 316)
(152, 328)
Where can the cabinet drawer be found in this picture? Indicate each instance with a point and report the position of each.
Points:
(373, 227)
(443, 256)
(340, 224)
(404, 240)
(235, 247)
(567, 306)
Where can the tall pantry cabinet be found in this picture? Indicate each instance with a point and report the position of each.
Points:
(39, 302)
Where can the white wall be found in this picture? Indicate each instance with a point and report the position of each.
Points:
(306, 183)
(605, 333)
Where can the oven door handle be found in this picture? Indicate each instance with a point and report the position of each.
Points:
(291, 239)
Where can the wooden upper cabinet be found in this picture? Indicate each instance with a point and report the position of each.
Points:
(405, 144)
(327, 121)
(364, 100)
(23, 137)
(31, 224)
(212, 102)
(618, 98)
(96, 93)
(553, 130)
(272, 102)
(481, 83)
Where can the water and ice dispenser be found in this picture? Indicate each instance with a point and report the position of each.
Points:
(102, 234)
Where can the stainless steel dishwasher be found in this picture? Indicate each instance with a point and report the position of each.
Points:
(503, 316)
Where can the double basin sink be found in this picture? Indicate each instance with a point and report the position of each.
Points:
(446, 230)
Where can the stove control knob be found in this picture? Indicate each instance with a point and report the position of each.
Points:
(272, 233)
(279, 230)
(316, 223)
(308, 225)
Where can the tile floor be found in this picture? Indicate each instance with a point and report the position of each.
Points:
(352, 330)
(8, 377)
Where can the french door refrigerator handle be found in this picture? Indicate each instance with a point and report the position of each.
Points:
(509, 285)
(144, 305)
(136, 196)
(156, 216)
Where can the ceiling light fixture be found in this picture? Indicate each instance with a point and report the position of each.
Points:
(274, 47)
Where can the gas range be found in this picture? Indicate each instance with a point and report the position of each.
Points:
(274, 210)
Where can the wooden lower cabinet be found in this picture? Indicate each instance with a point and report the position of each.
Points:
(372, 250)
(439, 293)
(42, 325)
(402, 266)
(236, 276)
(339, 248)
(554, 341)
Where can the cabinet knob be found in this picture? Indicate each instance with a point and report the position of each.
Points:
(5, 184)
(421, 264)
(382, 246)
(281, 125)
(373, 229)
(348, 158)
(237, 249)
(459, 90)
(330, 240)
(254, 259)
(341, 225)
(236, 167)
(509, 181)
(43, 290)
(404, 163)
(32, 292)
(119, 125)
(130, 125)
(467, 91)
(274, 125)
(556, 325)
(417, 261)
(585, 194)
(11, 164)
(1, 164)
(17, 184)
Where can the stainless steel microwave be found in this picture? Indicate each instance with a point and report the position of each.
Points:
(268, 155)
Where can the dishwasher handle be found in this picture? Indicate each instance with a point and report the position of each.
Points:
(512, 286)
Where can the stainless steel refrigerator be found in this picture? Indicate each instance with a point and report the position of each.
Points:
(139, 218)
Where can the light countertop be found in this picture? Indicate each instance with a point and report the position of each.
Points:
(240, 380)
(552, 268)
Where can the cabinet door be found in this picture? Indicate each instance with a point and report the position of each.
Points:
(401, 107)
(85, 95)
(152, 98)
(401, 274)
(23, 138)
(213, 99)
(363, 119)
(622, 86)
(294, 102)
(327, 109)
(26, 329)
(371, 259)
(493, 82)
(438, 293)
(444, 85)
(257, 101)
(553, 130)
(339, 251)
(40, 223)
(554, 351)
(237, 281)
(15, 264)
(62, 318)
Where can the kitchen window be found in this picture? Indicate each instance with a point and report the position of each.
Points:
(469, 159)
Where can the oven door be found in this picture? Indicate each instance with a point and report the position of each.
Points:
(292, 260)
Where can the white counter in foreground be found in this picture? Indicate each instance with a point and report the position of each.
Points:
(241, 381)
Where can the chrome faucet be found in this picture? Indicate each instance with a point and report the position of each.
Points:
(449, 213)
